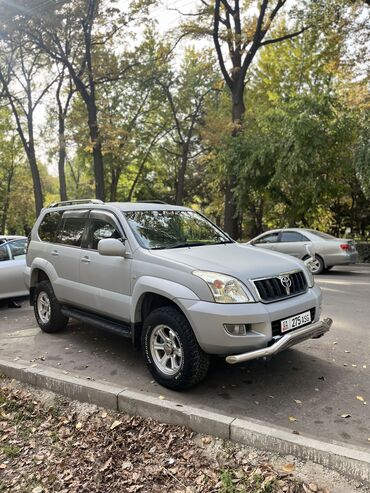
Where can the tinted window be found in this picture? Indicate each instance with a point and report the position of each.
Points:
(71, 231)
(101, 229)
(4, 253)
(17, 248)
(270, 238)
(290, 236)
(49, 225)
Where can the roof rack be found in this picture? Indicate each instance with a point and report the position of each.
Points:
(77, 201)
(151, 202)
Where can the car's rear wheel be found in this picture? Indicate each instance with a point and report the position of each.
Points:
(171, 350)
(47, 309)
(317, 266)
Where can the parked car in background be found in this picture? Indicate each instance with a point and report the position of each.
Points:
(328, 250)
(5, 238)
(12, 265)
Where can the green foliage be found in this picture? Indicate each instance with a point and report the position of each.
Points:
(300, 158)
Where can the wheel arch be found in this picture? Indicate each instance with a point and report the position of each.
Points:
(152, 293)
(41, 270)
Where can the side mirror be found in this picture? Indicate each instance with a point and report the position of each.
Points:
(111, 247)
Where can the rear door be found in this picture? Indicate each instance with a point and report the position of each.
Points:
(105, 281)
(292, 243)
(65, 255)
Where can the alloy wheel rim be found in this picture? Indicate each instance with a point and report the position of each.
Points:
(166, 349)
(315, 266)
(43, 307)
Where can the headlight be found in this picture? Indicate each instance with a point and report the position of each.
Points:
(225, 289)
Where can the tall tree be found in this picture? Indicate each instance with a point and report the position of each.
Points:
(238, 31)
(186, 93)
(20, 66)
(70, 33)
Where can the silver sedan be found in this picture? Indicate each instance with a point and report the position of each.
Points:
(328, 250)
(12, 265)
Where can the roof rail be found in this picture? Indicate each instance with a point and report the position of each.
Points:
(77, 201)
(151, 202)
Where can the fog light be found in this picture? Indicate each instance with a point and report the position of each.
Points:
(236, 329)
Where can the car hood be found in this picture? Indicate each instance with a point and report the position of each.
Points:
(241, 261)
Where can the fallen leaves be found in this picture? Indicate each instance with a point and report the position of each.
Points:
(115, 424)
(62, 449)
(288, 468)
(360, 398)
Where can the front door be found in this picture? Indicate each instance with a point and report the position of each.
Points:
(105, 281)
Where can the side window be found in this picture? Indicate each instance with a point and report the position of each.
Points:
(4, 253)
(71, 231)
(269, 238)
(291, 236)
(49, 225)
(101, 229)
(17, 248)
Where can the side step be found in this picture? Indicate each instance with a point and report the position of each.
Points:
(116, 327)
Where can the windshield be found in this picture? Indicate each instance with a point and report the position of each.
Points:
(173, 229)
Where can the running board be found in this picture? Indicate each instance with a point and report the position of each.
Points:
(116, 327)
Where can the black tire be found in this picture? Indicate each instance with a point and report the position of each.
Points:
(194, 363)
(56, 320)
(328, 268)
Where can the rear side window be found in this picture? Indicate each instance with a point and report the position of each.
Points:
(291, 236)
(4, 253)
(49, 226)
(17, 248)
(269, 238)
(71, 231)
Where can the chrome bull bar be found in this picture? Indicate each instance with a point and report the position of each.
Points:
(312, 331)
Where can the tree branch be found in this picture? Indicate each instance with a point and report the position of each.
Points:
(286, 36)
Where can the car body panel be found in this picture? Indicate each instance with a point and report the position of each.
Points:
(11, 271)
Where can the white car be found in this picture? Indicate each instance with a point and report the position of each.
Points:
(328, 250)
(12, 265)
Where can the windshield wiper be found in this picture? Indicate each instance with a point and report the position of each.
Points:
(190, 244)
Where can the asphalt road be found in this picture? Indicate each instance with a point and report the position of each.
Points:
(306, 389)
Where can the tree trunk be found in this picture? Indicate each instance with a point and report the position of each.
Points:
(181, 176)
(97, 154)
(62, 159)
(114, 184)
(231, 220)
(37, 188)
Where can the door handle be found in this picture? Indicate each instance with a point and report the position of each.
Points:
(85, 260)
(55, 253)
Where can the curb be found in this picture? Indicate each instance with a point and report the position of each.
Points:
(354, 463)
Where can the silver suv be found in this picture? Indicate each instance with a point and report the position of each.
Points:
(172, 281)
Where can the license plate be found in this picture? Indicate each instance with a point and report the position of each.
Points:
(295, 322)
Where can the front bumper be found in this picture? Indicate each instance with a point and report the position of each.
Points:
(312, 331)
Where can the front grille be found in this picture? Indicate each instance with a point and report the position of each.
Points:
(276, 324)
(272, 289)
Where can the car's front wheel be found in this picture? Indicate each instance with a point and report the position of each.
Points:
(47, 309)
(317, 265)
(171, 350)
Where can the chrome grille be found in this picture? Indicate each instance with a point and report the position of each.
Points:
(273, 288)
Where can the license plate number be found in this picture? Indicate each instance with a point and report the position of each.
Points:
(295, 322)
